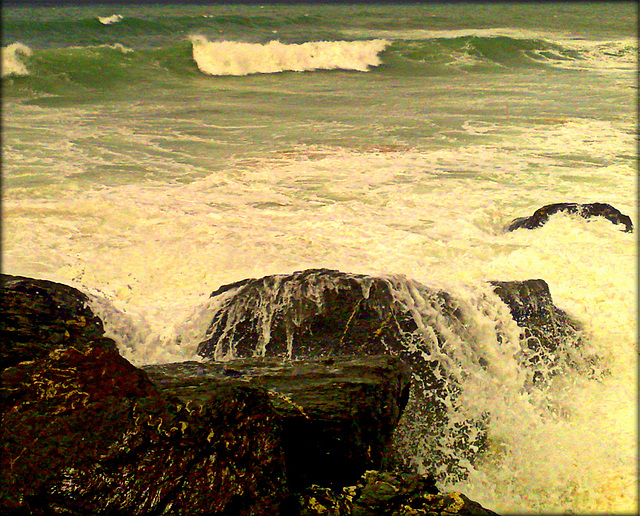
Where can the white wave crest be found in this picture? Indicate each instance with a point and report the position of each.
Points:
(601, 55)
(12, 59)
(120, 48)
(109, 20)
(234, 58)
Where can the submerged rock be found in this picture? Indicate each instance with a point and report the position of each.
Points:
(595, 209)
(85, 432)
(393, 494)
(337, 415)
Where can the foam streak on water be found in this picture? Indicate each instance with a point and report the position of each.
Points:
(109, 20)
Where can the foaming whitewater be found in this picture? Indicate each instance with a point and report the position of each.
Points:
(235, 58)
(13, 57)
(601, 56)
(110, 20)
(152, 289)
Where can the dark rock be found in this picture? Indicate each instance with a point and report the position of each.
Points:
(552, 340)
(39, 316)
(337, 415)
(311, 313)
(85, 432)
(596, 209)
(393, 494)
(322, 313)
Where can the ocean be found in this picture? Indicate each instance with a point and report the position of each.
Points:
(152, 153)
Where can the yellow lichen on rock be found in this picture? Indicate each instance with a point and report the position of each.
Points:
(315, 506)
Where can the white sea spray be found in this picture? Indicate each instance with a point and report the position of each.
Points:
(110, 20)
(13, 57)
(237, 58)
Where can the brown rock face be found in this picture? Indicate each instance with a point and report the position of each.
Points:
(337, 414)
(39, 316)
(85, 432)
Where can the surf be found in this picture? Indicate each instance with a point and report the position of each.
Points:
(14, 58)
(110, 20)
(237, 58)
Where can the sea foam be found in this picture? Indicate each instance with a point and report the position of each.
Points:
(236, 58)
(13, 59)
(110, 20)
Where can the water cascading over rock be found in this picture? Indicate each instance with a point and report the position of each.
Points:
(453, 345)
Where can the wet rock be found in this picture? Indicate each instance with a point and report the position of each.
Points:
(88, 433)
(323, 313)
(596, 209)
(337, 414)
(39, 316)
(393, 494)
(317, 312)
(552, 340)
(532, 308)
(85, 432)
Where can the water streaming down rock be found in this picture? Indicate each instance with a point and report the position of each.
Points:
(512, 338)
(87, 432)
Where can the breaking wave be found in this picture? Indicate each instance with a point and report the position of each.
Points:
(234, 58)
(460, 49)
(110, 20)
(13, 59)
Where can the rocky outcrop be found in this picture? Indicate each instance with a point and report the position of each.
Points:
(394, 494)
(311, 313)
(551, 339)
(595, 209)
(88, 433)
(337, 415)
(85, 432)
(39, 316)
(321, 312)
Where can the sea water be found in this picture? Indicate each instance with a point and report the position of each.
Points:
(154, 153)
